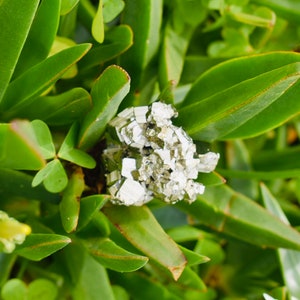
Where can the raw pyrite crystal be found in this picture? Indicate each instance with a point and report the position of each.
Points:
(149, 157)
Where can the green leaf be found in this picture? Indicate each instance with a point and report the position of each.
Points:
(111, 9)
(224, 210)
(289, 259)
(117, 40)
(112, 256)
(232, 72)
(98, 24)
(89, 206)
(193, 258)
(62, 109)
(172, 55)
(39, 246)
(249, 102)
(41, 36)
(40, 77)
(209, 179)
(278, 160)
(53, 176)
(13, 35)
(70, 204)
(44, 138)
(42, 289)
(259, 175)
(89, 278)
(107, 93)
(67, 5)
(140, 228)
(15, 184)
(148, 289)
(185, 233)
(68, 152)
(189, 280)
(144, 17)
(288, 9)
(19, 137)
(14, 289)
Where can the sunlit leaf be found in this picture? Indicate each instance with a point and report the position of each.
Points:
(107, 93)
(289, 259)
(139, 227)
(232, 213)
(88, 207)
(98, 24)
(68, 151)
(117, 40)
(70, 204)
(19, 148)
(41, 36)
(44, 138)
(37, 79)
(112, 256)
(13, 35)
(53, 175)
(244, 108)
(39, 246)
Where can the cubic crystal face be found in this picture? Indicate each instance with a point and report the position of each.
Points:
(149, 157)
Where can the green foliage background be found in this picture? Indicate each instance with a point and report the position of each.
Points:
(231, 69)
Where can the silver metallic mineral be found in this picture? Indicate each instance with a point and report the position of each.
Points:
(156, 159)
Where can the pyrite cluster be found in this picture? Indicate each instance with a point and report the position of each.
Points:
(149, 157)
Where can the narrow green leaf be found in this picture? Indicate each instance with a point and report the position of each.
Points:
(226, 211)
(173, 51)
(62, 109)
(234, 71)
(193, 258)
(70, 204)
(216, 117)
(185, 233)
(140, 227)
(107, 93)
(40, 37)
(189, 280)
(259, 175)
(67, 5)
(144, 17)
(68, 152)
(89, 206)
(98, 24)
(147, 288)
(19, 137)
(117, 40)
(39, 78)
(289, 259)
(39, 246)
(44, 138)
(89, 278)
(53, 176)
(278, 160)
(16, 17)
(112, 256)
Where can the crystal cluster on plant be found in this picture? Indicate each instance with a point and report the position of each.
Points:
(149, 157)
